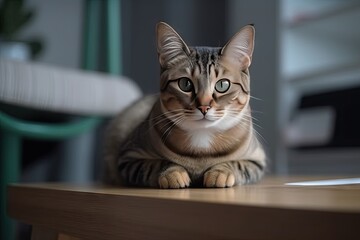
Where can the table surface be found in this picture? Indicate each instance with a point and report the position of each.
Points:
(267, 210)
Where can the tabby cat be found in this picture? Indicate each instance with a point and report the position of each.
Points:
(198, 131)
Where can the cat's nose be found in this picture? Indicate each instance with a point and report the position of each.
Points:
(204, 109)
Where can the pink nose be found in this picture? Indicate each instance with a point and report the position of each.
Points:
(204, 109)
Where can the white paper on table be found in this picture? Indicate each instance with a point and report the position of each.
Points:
(330, 182)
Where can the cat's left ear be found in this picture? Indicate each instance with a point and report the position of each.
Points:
(241, 46)
(170, 46)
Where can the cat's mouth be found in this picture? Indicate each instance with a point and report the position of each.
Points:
(207, 118)
(201, 119)
(199, 123)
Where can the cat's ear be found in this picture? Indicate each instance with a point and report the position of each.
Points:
(241, 46)
(170, 46)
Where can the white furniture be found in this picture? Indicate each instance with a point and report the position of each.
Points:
(64, 90)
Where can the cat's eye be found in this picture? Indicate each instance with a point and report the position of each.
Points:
(222, 85)
(185, 84)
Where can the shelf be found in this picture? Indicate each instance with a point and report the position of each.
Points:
(338, 27)
(328, 40)
(306, 18)
(341, 76)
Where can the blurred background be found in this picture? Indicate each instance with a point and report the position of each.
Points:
(305, 71)
(305, 74)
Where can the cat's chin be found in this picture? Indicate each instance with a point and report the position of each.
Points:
(206, 122)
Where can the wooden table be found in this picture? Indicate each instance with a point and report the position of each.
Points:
(268, 210)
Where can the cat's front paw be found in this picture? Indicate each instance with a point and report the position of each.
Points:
(219, 178)
(174, 177)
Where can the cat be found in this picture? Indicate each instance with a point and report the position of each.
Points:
(198, 130)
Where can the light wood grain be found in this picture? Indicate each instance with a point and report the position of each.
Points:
(268, 210)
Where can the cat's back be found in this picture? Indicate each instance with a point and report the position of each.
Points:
(133, 115)
(121, 127)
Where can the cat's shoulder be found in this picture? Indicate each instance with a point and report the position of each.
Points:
(146, 102)
(131, 117)
(140, 107)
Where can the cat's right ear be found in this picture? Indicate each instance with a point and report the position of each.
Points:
(170, 46)
(240, 47)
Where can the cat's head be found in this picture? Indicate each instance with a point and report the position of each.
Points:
(204, 87)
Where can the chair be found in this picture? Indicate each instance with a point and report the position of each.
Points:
(88, 95)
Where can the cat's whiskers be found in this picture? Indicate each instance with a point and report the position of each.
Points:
(219, 114)
(167, 132)
(192, 116)
(252, 117)
(236, 112)
(249, 119)
(166, 118)
(166, 126)
(246, 124)
(163, 118)
(241, 117)
(254, 111)
(166, 114)
(259, 99)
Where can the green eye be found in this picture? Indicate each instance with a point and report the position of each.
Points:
(222, 85)
(185, 84)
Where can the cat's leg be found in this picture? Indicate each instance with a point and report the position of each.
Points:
(175, 176)
(233, 173)
(152, 173)
(140, 172)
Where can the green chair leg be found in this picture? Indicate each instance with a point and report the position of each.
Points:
(9, 173)
(91, 34)
(113, 37)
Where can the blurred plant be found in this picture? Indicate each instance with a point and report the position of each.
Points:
(13, 17)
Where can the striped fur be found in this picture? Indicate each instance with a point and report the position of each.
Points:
(190, 134)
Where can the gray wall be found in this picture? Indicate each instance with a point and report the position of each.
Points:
(195, 21)
(59, 24)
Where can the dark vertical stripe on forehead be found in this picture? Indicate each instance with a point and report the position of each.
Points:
(206, 60)
(197, 61)
(205, 57)
(216, 72)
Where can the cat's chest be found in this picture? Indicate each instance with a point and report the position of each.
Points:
(200, 139)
